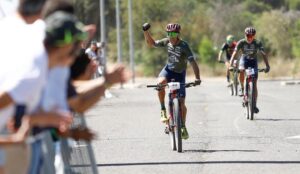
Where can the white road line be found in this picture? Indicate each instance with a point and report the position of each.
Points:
(239, 130)
(294, 137)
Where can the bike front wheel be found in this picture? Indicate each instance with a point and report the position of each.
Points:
(235, 83)
(251, 102)
(172, 133)
(178, 123)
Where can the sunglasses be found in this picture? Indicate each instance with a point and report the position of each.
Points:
(70, 38)
(249, 36)
(172, 34)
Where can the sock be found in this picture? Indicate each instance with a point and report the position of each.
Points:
(163, 107)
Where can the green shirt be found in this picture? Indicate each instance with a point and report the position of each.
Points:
(178, 55)
(249, 50)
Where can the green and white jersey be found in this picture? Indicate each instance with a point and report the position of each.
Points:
(249, 50)
(178, 55)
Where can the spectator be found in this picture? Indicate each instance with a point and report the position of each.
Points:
(24, 86)
(94, 52)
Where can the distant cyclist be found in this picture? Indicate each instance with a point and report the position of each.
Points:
(228, 47)
(179, 53)
(249, 47)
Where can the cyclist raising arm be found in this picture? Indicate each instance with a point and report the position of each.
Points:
(179, 53)
(249, 48)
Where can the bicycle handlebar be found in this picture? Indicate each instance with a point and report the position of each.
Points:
(258, 70)
(261, 70)
(186, 85)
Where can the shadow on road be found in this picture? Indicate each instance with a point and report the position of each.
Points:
(213, 151)
(189, 163)
(270, 119)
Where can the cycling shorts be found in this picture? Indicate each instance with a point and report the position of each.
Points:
(245, 63)
(178, 77)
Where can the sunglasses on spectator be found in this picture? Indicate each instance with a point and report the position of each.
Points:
(70, 38)
(172, 34)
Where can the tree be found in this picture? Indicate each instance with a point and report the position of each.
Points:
(274, 26)
(206, 51)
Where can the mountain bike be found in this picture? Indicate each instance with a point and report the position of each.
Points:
(234, 82)
(249, 96)
(174, 123)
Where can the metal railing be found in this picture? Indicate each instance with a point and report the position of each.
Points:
(77, 156)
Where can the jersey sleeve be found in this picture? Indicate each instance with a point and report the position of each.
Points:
(188, 53)
(238, 45)
(224, 47)
(161, 43)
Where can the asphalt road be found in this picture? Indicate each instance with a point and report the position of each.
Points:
(131, 137)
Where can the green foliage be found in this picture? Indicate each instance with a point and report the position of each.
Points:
(149, 57)
(255, 6)
(294, 4)
(205, 25)
(206, 51)
(296, 40)
(275, 26)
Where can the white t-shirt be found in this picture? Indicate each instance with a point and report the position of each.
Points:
(54, 97)
(24, 65)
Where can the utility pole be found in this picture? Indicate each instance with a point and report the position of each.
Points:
(119, 35)
(102, 24)
(131, 47)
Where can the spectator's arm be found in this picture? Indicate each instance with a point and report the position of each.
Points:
(89, 93)
(5, 100)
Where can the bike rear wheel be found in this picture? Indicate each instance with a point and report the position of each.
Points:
(246, 103)
(251, 101)
(231, 90)
(235, 83)
(178, 123)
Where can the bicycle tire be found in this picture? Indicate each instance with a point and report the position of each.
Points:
(246, 103)
(235, 83)
(251, 99)
(231, 90)
(171, 131)
(178, 121)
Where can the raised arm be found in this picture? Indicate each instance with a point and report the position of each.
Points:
(150, 41)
